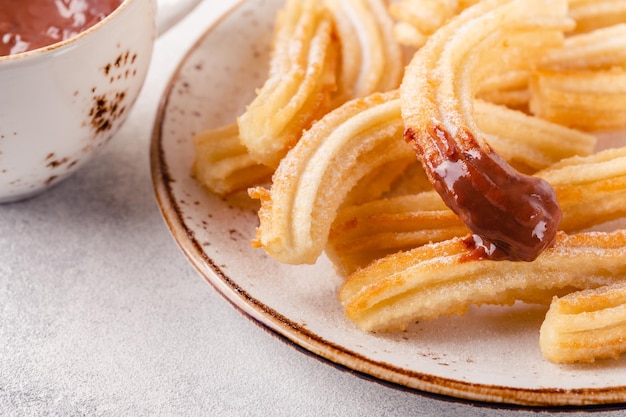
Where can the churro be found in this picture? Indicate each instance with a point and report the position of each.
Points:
(445, 279)
(223, 164)
(302, 77)
(513, 216)
(585, 325)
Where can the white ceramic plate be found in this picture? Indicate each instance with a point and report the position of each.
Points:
(490, 355)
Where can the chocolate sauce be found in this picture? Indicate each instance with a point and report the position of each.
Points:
(32, 24)
(513, 216)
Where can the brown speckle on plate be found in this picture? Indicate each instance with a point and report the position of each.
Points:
(56, 163)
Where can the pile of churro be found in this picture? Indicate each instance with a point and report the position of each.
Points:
(444, 154)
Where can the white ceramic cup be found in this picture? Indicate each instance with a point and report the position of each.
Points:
(59, 105)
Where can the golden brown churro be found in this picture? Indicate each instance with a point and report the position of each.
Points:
(301, 79)
(313, 180)
(513, 216)
(371, 59)
(586, 325)
(583, 84)
(593, 14)
(223, 164)
(444, 279)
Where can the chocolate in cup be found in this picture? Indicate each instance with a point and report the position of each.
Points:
(61, 103)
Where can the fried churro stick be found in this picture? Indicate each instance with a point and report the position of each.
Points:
(585, 325)
(529, 143)
(313, 180)
(445, 279)
(583, 84)
(370, 231)
(223, 164)
(600, 48)
(512, 215)
(593, 14)
(371, 59)
(581, 99)
(302, 77)
(590, 190)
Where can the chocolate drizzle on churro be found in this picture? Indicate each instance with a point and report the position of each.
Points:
(513, 216)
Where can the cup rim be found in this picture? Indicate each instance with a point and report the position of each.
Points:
(64, 43)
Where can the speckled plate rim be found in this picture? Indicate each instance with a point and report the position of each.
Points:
(308, 342)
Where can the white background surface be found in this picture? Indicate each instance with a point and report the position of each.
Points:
(102, 315)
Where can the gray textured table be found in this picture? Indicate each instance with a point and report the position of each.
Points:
(102, 315)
